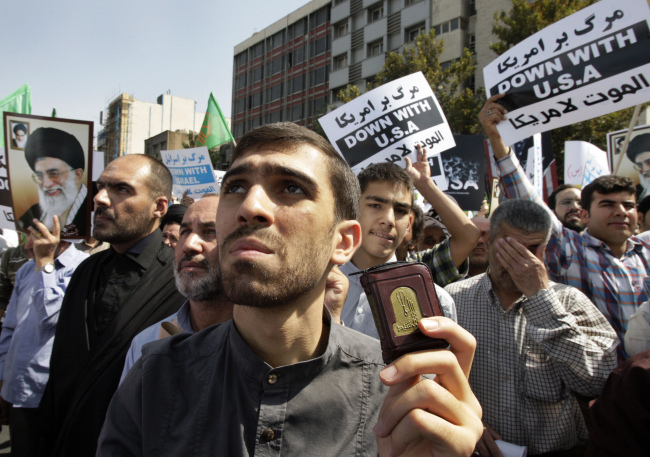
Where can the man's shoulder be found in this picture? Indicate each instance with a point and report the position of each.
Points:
(464, 285)
(186, 346)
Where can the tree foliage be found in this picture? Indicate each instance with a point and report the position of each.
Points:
(525, 19)
(460, 103)
(215, 152)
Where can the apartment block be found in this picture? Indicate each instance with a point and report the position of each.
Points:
(293, 69)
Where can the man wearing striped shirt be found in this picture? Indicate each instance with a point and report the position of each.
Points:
(606, 262)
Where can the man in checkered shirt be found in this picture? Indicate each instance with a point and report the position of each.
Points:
(606, 262)
(537, 342)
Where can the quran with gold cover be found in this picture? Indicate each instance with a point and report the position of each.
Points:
(400, 294)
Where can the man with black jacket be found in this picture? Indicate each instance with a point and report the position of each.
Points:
(112, 297)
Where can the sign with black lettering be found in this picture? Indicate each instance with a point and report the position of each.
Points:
(191, 171)
(387, 123)
(594, 62)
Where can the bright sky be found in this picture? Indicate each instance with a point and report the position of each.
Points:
(79, 55)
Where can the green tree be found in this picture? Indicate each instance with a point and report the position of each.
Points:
(522, 21)
(459, 102)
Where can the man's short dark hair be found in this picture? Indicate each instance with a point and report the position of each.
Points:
(610, 184)
(160, 181)
(345, 185)
(385, 172)
(524, 215)
(418, 222)
(552, 198)
(644, 205)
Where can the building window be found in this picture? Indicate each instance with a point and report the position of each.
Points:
(341, 29)
(454, 24)
(297, 84)
(278, 39)
(445, 27)
(296, 112)
(275, 93)
(318, 107)
(258, 50)
(276, 65)
(376, 48)
(320, 46)
(413, 32)
(275, 116)
(242, 59)
(472, 44)
(446, 65)
(337, 2)
(240, 105)
(472, 7)
(256, 74)
(238, 130)
(411, 2)
(240, 82)
(437, 29)
(375, 12)
(256, 99)
(341, 61)
(320, 17)
(319, 76)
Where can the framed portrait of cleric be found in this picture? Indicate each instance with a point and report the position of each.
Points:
(636, 161)
(50, 172)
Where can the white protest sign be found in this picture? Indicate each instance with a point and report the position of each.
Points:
(387, 123)
(583, 162)
(191, 171)
(594, 62)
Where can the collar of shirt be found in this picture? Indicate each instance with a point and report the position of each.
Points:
(488, 290)
(257, 370)
(633, 243)
(183, 318)
(143, 252)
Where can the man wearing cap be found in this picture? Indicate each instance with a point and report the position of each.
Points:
(58, 162)
(20, 136)
(170, 225)
(638, 151)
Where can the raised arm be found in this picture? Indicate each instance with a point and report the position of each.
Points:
(464, 234)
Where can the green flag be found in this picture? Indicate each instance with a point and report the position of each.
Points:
(53, 112)
(18, 102)
(214, 130)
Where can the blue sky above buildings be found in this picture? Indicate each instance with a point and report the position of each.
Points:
(78, 55)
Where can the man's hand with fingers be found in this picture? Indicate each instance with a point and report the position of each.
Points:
(487, 447)
(44, 241)
(423, 417)
(526, 269)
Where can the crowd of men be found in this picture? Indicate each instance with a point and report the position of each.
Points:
(237, 324)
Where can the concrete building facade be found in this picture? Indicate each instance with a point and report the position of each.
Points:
(345, 42)
(128, 122)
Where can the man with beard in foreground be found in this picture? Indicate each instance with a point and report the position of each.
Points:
(280, 377)
(113, 296)
(58, 162)
(565, 202)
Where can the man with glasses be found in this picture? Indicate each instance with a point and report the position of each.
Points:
(638, 152)
(58, 162)
(565, 203)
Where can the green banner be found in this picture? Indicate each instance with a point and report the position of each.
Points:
(214, 130)
(18, 102)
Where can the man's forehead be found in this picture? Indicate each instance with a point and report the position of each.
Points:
(616, 196)
(203, 212)
(389, 192)
(567, 192)
(522, 236)
(305, 162)
(44, 163)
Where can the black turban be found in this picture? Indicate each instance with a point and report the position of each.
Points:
(640, 143)
(49, 142)
(174, 214)
(20, 127)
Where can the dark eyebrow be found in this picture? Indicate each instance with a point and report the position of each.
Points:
(268, 170)
(624, 202)
(187, 224)
(115, 184)
(386, 201)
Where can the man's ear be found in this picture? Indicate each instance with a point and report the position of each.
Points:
(347, 238)
(78, 174)
(160, 205)
(584, 215)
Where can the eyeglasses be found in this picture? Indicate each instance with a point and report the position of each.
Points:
(570, 202)
(53, 175)
(639, 166)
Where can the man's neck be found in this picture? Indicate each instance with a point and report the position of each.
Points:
(285, 335)
(507, 297)
(617, 249)
(362, 260)
(122, 248)
(475, 270)
(206, 313)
